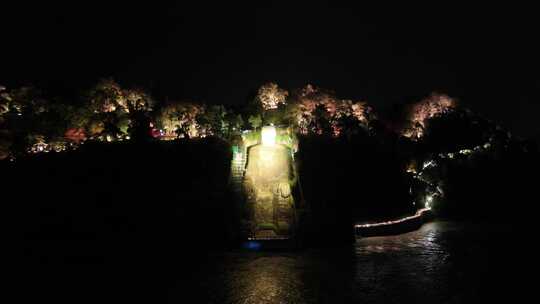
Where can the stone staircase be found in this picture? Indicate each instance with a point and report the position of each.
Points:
(238, 168)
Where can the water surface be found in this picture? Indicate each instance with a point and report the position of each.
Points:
(443, 262)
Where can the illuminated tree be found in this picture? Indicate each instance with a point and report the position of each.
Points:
(123, 123)
(321, 120)
(120, 109)
(111, 129)
(278, 116)
(233, 123)
(107, 96)
(255, 121)
(180, 120)
(320, 112)
(75, 135)
(434, 105)
(36, 143)
(212, 120)
(271, 96)
(5, 100)
(345, 125)
(53, 124)
(95, 127)
(138, 100)
(139, 104)
(26, 115)
(75, 122)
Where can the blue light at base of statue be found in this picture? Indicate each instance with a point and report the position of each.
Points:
(252, 245)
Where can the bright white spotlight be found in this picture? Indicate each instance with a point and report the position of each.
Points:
(429, 201)
(268, 135)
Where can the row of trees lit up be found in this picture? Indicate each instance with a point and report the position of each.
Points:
(108, 112)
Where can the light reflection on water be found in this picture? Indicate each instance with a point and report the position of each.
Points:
(267, 280)
(440, 263)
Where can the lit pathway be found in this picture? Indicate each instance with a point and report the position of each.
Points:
(418, 214)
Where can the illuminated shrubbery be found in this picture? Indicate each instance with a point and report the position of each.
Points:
(31, 123)
(179, 120)
(113, 109)
(191, 120)
(434, 105)
(109, 112)
(316, 111)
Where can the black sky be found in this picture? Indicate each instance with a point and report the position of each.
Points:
(485, 56)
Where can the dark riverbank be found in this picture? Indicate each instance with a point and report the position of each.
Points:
(119, 196)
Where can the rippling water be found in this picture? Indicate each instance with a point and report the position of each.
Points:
(442, 262)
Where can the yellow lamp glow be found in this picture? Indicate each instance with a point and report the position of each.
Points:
(268, 135)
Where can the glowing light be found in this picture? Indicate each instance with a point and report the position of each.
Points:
(238, 156)
(273, 238)
(429, 201)
(252, 245)
(268, 135)
(411, 168)
(418, 214)
(465, 151)
(428, 164)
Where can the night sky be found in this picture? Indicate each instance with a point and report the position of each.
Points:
(485, 56)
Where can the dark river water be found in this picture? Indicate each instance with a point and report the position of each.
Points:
(443, 262)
